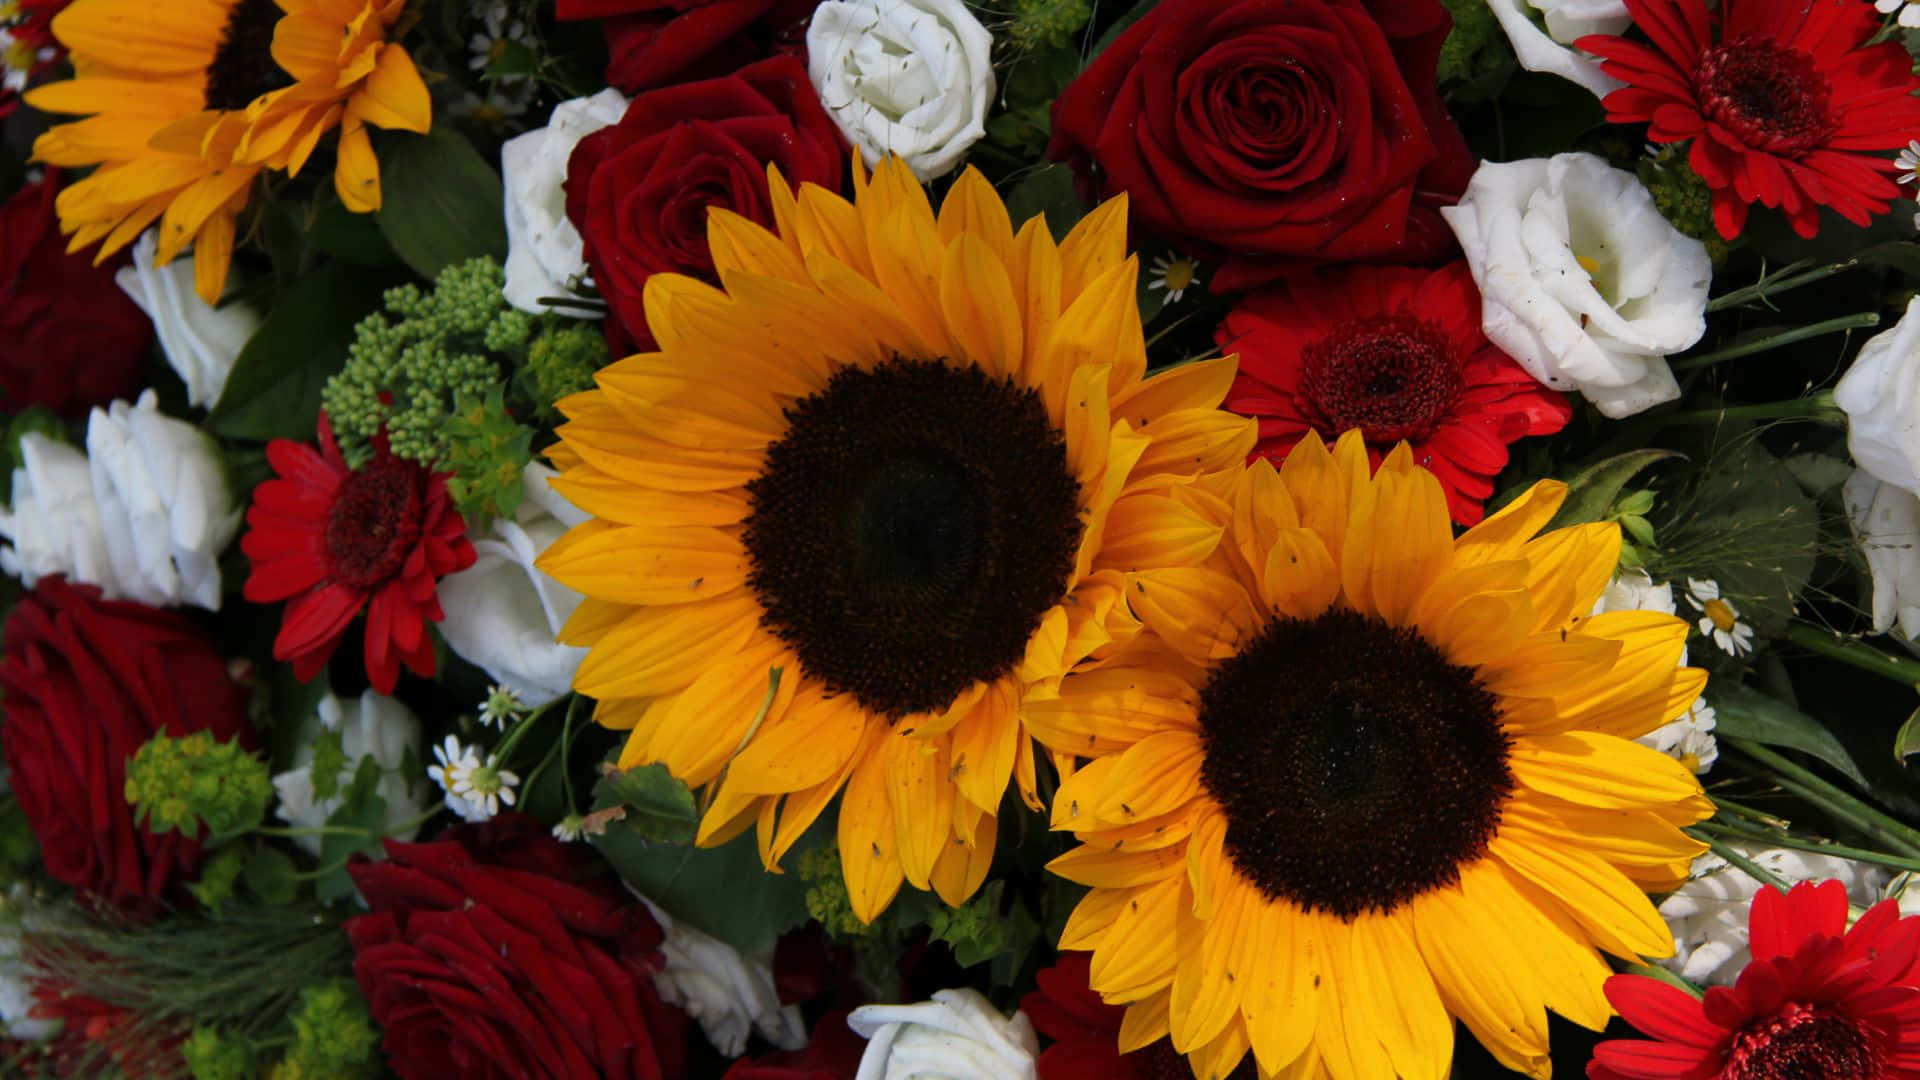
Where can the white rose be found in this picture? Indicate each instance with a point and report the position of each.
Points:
(1886, 525)
(544, 250)
(502, 613)
(731, 995)
(162, 494)
(52, 520)
(1567, 21)
(1881, 396)
(1708, 914)
(1603, 326)
(200, 340)
(958, 1035)
(372, 725)
(906, 77)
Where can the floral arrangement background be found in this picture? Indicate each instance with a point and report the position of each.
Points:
(882, 539)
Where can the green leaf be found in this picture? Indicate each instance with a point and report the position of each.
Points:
(1138, 12)
(723, 891)
(1745, 713)
(349, 237)
(659, 807)
(1046, 190)
(1906, 741)
(274, 390)
(1591, 493)
(1818, 474)
(365, 810)
(441, 203)
(271, 876)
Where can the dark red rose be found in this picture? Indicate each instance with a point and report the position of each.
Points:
(1270, 133)
(833, 1053)
(87, 681)
(69, 338)
(659, 42)
(1085, 1032)
(497, 951)
(639, 190)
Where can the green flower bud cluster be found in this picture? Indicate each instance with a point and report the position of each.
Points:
(1682, 197)
(1047, 24)
(212, 1056)
(486, 450)
(332, 1035)
(827, 897)
(187, 782)
(1476, 55)
(562, 361)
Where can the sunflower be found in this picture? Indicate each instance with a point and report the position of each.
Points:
(1389, 782)
(889, 479)
(187, 101)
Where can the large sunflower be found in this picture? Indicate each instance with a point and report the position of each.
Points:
(1389, 781)
(187, 101)
(888, 479)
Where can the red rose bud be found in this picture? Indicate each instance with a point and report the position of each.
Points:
(639, 190)
(1273, 134)
(87, 681)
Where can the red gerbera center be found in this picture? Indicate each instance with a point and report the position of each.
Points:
(1769, 96)
(1393, 376)
(1802, 1041)
(375, 521)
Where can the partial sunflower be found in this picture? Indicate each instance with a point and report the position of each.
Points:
(187, 101)
(1357, 777)
(888, 480)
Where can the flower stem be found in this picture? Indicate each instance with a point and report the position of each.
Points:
(1759, 817)
(1787, 840)
(1818, 407)
(1787, 278)
(1775, 341)
(1805, 783)
(1752, 869)
(1853, 651)
(1655, 971)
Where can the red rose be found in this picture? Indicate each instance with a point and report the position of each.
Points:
(497, 951)
(639, 190)
(657, 42)
(87, 681)
(833, 1053)
(69, 338)
(1273, 132)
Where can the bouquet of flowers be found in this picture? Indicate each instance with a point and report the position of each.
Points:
(973, 539)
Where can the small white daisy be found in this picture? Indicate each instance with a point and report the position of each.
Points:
(1909, 11)
(486, 788)
(1908, 162)
(456, 765)
(1174, 273)
(1719, 619)
(496, 35)
(502, 704)
(570, 828)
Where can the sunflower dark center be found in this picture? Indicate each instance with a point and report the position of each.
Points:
(1803, 1042)
(1160, 1061)
(243, 68)
(1392, 376)
(1769, 96)
(1358, 768)
(375, 521)
(910, 529)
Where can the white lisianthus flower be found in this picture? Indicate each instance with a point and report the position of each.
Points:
(906, 77)
(1581, 280)
(1880, 394)
(372, 725)
(1708, 914)
(164, 506)
(201, 341)
(544, 250)
(502, 612)
(52, 521)
(1886, 525)
(958, 1035)
(1550, 49)
(731, 995)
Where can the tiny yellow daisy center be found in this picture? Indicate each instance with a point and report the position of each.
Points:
(497, 50)
(1180, 274)
(19, 56)
(1721, 614)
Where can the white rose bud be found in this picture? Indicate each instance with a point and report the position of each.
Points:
(1881, 396)
(1581, 280)
(544, 250)
(958, 1035)
(201, 341)
(1708, 914)
(164, 506)
(730, 995)
(1886, 525)
(1566, 21)
(52, 521)
(371, 724)
(503, 613)
(906, 77)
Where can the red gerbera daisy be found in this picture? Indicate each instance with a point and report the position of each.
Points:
(1816, 1000)
(1086, 1033)
(1784, 105)
(336, 540)
(1397, 353)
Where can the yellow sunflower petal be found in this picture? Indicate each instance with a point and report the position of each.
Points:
(1137, 957)
(869, 852)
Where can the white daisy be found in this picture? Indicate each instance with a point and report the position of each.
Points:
(1908, 160)
(457, 764)
(1909, 11)
(570, 828)
(502, 704)
(496, 36)
(1719, 619)
(1174, 273)
(485, 788)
